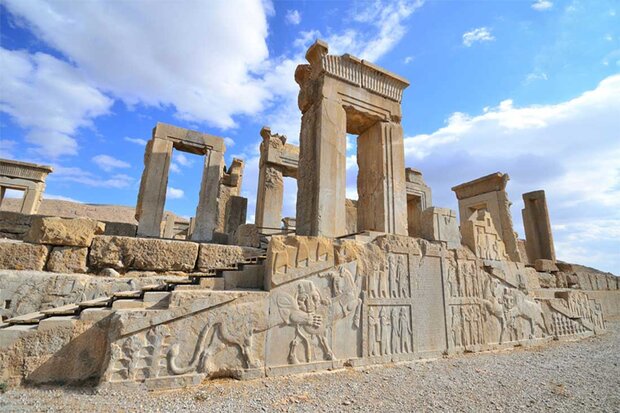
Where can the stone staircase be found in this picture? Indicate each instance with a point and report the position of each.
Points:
(244, 275)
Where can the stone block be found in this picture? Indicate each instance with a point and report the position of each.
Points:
(144, 254)
(14, 224)
(22, 256)
(219, 256)
(247, 236)
(441, 224)
(121, 229)
(76, 232)
(68, 260)
(543, 265)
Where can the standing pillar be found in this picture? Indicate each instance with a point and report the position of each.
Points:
(270, 197)
(207, 216)
(31, 199)
(152, 196)
(538, 235)
(322, 171)
(381, 185)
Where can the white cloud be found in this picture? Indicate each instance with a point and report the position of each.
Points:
(137, 141)
(78, 175)
(174, 193)
(481, 34)
(229, 142)
(185, 54)
(293, 17)
(50, 98)
(182, 159)
(408, 59)
(542, 5)
(175, 168)
(108, 163)
(534, 76)
(570, 149)
(7, 147)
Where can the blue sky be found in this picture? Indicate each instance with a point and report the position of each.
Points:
(531, 88)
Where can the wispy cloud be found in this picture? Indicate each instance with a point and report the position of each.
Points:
(109, 163)
(479, 35)
(174, 193)
(541, 5)
(137, 141)
(293, 17)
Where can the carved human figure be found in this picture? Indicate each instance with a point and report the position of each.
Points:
(386, 330)
(457, 326)
(373, 282)
(402, 276)
(404, 330)
(374, 331)
(493, 304)
(395, 332)
(393, 275)
(452, 281)
(384, 287)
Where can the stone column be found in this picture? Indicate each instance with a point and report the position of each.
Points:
(269, 198)
(31, 199)
(2, 192)
(321, 181)
(538, 235)
(381, 186)
(152, 195)
(207, 216)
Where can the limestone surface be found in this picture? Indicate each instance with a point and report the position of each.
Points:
(22, 256)
(145, 254)
(219, 256)
(68, 260)
(77, 232)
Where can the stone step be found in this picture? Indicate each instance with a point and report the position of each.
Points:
(32, 318)
(127, 294)
(251, 276)
(69, 309)
(97, 302)
(128, 304)
(155, 287)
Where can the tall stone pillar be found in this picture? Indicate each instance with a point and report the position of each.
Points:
(381, 185)
(32, 199)
(322, 170)
(538, 235)
(270, 197)
(207, 211)
(152, 196)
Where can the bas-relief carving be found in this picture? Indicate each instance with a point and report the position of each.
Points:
(140, 356)
(317, 317)
(295, 257)
(389, 330)
(480, 235)
(393, 281)
(485, 310)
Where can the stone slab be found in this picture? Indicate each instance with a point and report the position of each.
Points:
(143, 254)
(68, 260)
(76, 232)
(22, 256)
(221, 256)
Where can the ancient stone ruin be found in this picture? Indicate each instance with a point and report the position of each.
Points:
(343, 284)
(26, 177)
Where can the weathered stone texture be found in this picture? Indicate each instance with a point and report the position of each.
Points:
(440, 224)
(247, 236)
(218, 256)
(68, 259)
(22, 256)
(145, 254)
(78, 232)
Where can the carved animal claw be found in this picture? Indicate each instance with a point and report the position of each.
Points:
(315, 320)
